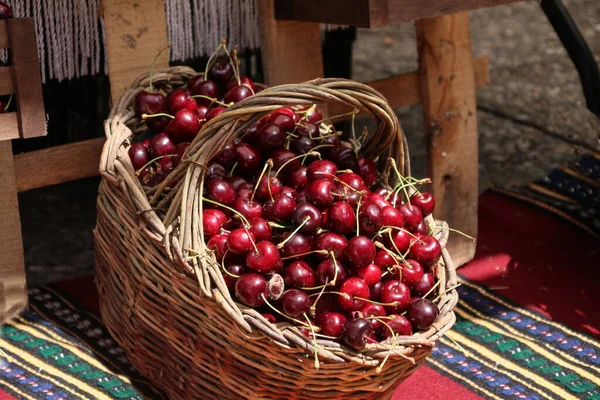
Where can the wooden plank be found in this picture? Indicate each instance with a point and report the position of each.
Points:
(9, 126)
(374, 13)
(4, 42)
(291, 50)
(58, 164)
(6, 81)
(13, 287)
(449, 107)
(405, 90)
(136, 31)
(27, 77)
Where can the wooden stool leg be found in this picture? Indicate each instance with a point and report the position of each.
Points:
(13, 288)
(291, 50)
(449, 106)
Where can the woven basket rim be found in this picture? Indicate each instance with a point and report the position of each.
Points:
(180, 229)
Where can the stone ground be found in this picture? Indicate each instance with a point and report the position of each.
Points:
(532, 79)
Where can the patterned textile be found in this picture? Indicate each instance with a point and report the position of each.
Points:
(496, 350)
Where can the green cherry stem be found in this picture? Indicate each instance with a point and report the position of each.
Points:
(214, 100)
(306, 219)
(246, 223)
(317, 365)
(146, 116)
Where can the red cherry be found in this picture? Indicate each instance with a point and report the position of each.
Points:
(268, 188)
(333, 242)
(397, 294)
(424, 201)
(399, 324)
(297, 177)
(309, 213)
(238, 93)
(344, 158)
(234, 269)
(426, 284)
(212, 221)
(138, 155)
(308, 130)
(379, 200)
(261, 229)
(401, 241)
(299, 275)
(161, 145)
(341, 218)
(248, 209)
(376, 291)
(180, 100)
(284, 122)
(426, 250)
(237, 181)
(360, 252)
(383, 260)
(225, 156)
(421, 229)
(367, 170)
(215, 171)
(321, 169)
(290, 192)
(244, 80)
(392, 217)
(321, 192)
(251, 289)
(331, 323)
(301, 145)
(281, 209)
(184, 126)
(412, 215)
(248, 159)
(217, 243)
(281, 156)
(355, 333)
(245, 190)
(422, 314)
(412, 273)
(240, 241)
(221, 191)
(269, 317)
(373, 310)
(220, 71)
(351, 289)
(313, 116)
(326, 272)
(214, 112)
(297, 245)
(370, 218)
(295, 302)
(264, 259)
(353, 180)
(5, 11)
(204, 88)
(371, 274)
(149, 103)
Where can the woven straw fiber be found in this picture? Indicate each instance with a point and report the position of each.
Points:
(173, 314)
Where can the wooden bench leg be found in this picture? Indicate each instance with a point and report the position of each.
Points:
(13, 287)
(291, 50)
(449, 106)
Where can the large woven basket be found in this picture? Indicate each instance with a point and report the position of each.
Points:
(173, 314)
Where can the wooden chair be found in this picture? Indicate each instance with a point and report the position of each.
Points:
(22, 79)
(445, 82)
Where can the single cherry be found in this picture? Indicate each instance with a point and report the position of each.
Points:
(426, 250)
(280, 209)
(376, 291)
(425, 286)
(370, 218)
(301, 145)
(313, 115)
(392, 217)
(360, 252)
(233, 269)
(421, 229)
(268, 187)
(221, 191)
(138, 154)
(321, 169)
(425, 201)
(281, 156)
(331, 323)
(244, 190)
(396, 294)
(296, 177)
(400, 326)
(200, 86)
(351, 289)
(412, 273)
(218, 244)
(284, 122)
(221, 71)
(367, 170)
(412, 215)
(248, 209)
(237, 94)
(264, 259)
(5, 11)
(370, 310)
(261, 229)
(296, 246)
(299, 275)
(307, 129)
(383, 260)
(321, 192)
(379, 200)
(215, 171)
(422, 314)
(326, 273)
(240, 241)
(290, 192)
(251, 290)
(225, 156)
(309, 216)
(295, 302)
(179, 100)
(341, 218)
(212, 221)
(214, 112)
(244, 80)
(355, 333)
(371, 274)
(248, 158)
(344, 158)
(331, 242)
(401, 241)
(184, 126)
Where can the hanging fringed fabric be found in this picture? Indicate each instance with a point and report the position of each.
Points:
(71, 35)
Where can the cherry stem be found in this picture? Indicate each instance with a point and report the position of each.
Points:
(153, 64)
(313, 307)
(276, 225)
(446, 291)
(317, 365)
(353, 113)
(396, 247)
(270, 164)
(211, 60)
(358, 202)
(335, 271)
(306, 112)
(431, 290)
(153, 161)
(251, 240)
(280, 313)
(225, 269)
(235, 64)
(213, 99)
(10, 101)
(246, 223)
(305, 254)
(457, 231)
(306, 219)
(258, 182)
(146, 116)
(233, 168)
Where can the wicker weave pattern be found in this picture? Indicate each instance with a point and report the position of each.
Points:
(174, 314)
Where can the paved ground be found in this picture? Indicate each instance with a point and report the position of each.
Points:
(532, 79)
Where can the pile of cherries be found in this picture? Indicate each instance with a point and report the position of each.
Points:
(304, 233)
(174, 119)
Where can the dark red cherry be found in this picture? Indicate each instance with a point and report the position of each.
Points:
(225, 156)
(412, 215)
(396, 295)
(5, 11)
(314, 115)
(264, 259)
(138, 155)
(371, 274)
(367, 170)
(295, 302)
(203, 88)
(220, 72)
(281, 209)
(296, 246)
(214, 112)
(370, 218)
(284, 122)
(248, 209)
(248, 158)
(237, 94)
(330, 143)
(370, 310)
(281, 156)
(299, 275)
(184, 126)
(251, 290)
(201, 112)
(399, 324)
(149, 103)
(221, 191)
(326, 273)
(425, 286)
(383, 260)
(286, 111)
(233, 269)
(309, 216)
(355, 333)
(331, 242)
(331, 323)
(376, 291)
(301, 145)
(290, 192)
(426, 250)
(244, 190)
(360, 252)
(161, 145)
(401, 241)
(421, 229)
(392, 217)
(321, 169)
(218, 244)
(215, 171)
(297, 177)
(240, 241)
(422, 314)
(237, 181)
(180, 100)
(244, 80)
(307, 129)
(425, 201)
(261, 229)
(352, 180)
(379, 200)
(321, 192)
(212, 222)
(268, 188)
(344, 158)
(341, 218)
(412, 273)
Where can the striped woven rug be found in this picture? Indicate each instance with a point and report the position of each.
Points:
(497, 350)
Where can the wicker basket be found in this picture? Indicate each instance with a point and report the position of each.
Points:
(174, 315)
